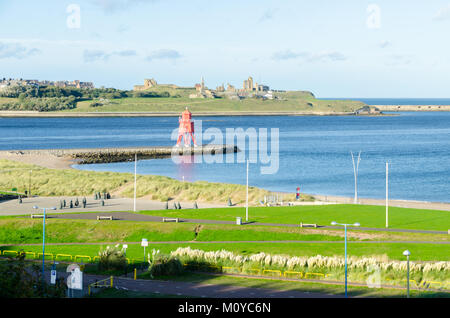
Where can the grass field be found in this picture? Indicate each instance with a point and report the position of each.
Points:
(420, 252)
(366, 215)
(19, 230)
(289, 101)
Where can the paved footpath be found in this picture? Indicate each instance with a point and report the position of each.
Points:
(12, 207)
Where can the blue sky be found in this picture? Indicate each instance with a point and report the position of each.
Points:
(348, 48)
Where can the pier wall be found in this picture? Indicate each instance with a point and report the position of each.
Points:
(107, 155)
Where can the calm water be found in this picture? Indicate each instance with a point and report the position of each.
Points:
(314, 151)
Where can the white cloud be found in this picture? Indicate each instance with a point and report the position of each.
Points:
(443, 13)
(111, 6)
(99, 55)
(163, 54)
(322, 56)
(398, 60)
(95, 55)
(268, 15)
(384, 44)
(16, 50)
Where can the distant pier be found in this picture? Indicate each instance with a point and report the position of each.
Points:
(122, 154)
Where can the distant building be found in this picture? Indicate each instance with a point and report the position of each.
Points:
(220, 88)
(248, 84)
(230, 88)
(36, 83)
(148, 83)
(203, 91)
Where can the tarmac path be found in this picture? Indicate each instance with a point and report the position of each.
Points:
(194, 289)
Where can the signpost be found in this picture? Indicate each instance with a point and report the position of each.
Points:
(53, 277)
(53, 273)
(144, 244)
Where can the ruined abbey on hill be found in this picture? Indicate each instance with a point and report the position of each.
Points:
(249, 89)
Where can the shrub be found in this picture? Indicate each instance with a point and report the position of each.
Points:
(20, 280)
(166, 266)
(112, 259)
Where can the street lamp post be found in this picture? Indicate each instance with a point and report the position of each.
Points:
(29, 184)
(407, 253)
(43, 238)
(246, 205)
(387, 194)
(345, 228)
(135, 170)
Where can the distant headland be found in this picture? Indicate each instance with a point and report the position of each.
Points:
(34, 98)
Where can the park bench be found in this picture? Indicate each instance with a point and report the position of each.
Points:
(37, 216)
(307, 225)
(170, 219)
(104, 217)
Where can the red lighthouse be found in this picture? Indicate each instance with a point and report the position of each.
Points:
(186, 128)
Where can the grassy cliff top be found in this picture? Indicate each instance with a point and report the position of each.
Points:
(290, 101)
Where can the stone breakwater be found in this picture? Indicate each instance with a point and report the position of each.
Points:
(108, 155)
(413, 108)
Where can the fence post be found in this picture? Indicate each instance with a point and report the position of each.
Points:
(135, 274)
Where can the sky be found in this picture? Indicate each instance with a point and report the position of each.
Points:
(348, 48)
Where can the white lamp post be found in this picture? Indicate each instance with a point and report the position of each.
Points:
(135, 170)
(387, 194)
(345, 227)
(43, 238)
(407, 253)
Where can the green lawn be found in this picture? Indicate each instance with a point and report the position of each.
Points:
(23, 230)
(366, 215)
(419, 252)
(17, 230)
(289, 101)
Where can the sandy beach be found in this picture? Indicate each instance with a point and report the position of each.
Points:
(42, 160)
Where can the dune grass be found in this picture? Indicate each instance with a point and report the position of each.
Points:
(72, 182)
(366, 215)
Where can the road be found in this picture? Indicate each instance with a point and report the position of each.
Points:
(191, 289)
